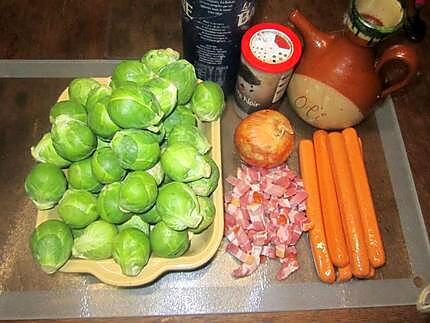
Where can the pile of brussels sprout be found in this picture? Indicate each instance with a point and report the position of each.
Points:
(126, 166)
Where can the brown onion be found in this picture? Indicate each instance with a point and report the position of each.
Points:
(264, 138)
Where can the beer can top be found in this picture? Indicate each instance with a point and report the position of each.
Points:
(271, 47)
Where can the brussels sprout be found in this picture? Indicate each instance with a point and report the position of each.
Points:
(207, 211)
(136, 149)
(165, 92)
(182, 115)
(78, 208)
(155, 59)
(80, 88)
(70, 108)
(106, 166)
(168, 243)
(72, 139)
(190, 135)
(51, 245)
(96, 242)
(152, 216)
(45, 185)
(45, 152)
(133, 107)
(131, 71)
(98, 94)
(182, 74)
(81, 177)
(99, 120)
(208, 101)
(131, 250)
(183, 163)
(178, 206)
(77, 233)
(108, 205)
(136, 222)
(157, 172)
(138, 192)
(206, 186)
(102, 143)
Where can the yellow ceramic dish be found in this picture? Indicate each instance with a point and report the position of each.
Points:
(203, 246)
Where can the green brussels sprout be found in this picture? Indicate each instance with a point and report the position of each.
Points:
(138, 192)
(131, 71)
(45, 185)
(80, 88)
(183, 163)
(157, 172)
(99, 120)
(96, 242)
(108, 205)
(168, 243)
(182, 74)
(72, 139)
(182, 115)
(45, 152)
(206, 186)
(81, 177)
(133, 107)
(136, 222)
(51, 245)
(155, 59)
(208, 101)
(151, 216)
(131, 250)
(207, 211)
(98, 94)
(70, 108)
(78, 208)
(106, 166)
(165, 92)
(190, 135)
(102, 143)
(178, 206)
(136, 149)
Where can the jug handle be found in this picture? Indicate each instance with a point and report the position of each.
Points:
(405, 54)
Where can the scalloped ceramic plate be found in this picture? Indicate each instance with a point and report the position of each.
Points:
(203, 246)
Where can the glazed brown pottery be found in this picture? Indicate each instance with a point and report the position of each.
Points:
(337, 82)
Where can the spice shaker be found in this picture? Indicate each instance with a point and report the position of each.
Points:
(269, 53)
(212, 30)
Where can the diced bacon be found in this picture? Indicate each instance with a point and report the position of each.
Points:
(232, 180)
(298, 198)
(283, 181)
(287, 269)
(229, 220)
(275, 190)
(241, 188)
(264, 218)
(238, 253)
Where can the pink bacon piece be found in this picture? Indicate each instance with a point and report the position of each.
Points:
(287, 269)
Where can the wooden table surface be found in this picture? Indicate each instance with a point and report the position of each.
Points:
(79, 29)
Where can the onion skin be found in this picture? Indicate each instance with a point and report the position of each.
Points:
(264, 138)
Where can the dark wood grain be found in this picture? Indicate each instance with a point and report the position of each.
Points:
(46, 29)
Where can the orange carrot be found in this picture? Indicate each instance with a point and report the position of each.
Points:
(372, 235)
(344, 274)
(348, 205)
(317, 239)
(330, 208)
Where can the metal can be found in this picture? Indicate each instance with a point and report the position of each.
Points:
(270, 51)
(212, 30)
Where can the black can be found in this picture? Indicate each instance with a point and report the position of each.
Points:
(212, 31)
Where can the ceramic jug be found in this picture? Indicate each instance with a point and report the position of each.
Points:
(338, 81)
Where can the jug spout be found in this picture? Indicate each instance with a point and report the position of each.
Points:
(313, 37)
